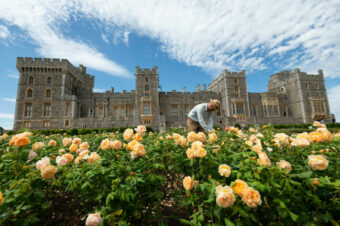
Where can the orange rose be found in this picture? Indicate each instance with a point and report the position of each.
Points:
(138, 137)
(73, 148)
(239, 187)
(48, 172)
(22, 141)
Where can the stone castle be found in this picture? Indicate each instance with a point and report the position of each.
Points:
(53, 94)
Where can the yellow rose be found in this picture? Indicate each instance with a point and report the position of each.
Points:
(192, 136)
(141, 129)
(84, 145)
(41, 164)
(190, 153)
(73, 148)
(105, 145)
(38, 145)
(301, 142)
(67, 141)
(127, 135)
(22, 141)
(188, 183)
(251, 197)
(48, 172)
(139, 149)
(138, 137)
(201, 137)
(302, 135)
(83, 153)
(263, 159)
(315, 137)
(93, 157)
(284, 165)
(281, 138)
(76, 141)
(239, 187)
(68, 156)
(225, 197)
(317, 162)
(249, 143)
(1, 198)
(52, 143)
(197, 145)
(224, 170)
(212, 137)
(116, 145)
(257, 148)
(201, 152)
(93, 219)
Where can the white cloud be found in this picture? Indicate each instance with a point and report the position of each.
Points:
(15, 76)
(213, 35)
(13, 100)
(99, 90)
(104, 37)
(6, 116)
(334, 100)
(4, 32)
(41, 20)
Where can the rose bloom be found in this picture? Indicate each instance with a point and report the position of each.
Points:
(116, 145)
(84, 145)
(302, 135)
(138, 137)
(52, 143)
(168, 137)
(61, 161)
(77, 160)
(212, 137)
(190, 153)
(326, 136)
(48, 172)
(67, 141)
(131, 145)
(133, 154)
(73, 148)
(188, 183)
(239, 187)
(93, 157)
(249, 143)
(301, 142)
(141, 129)
(42, 163)
(4, 136)
(1, 198)
(105, 145)
(257, 148)
(183, 142)
(84, 153)
(192, 136)
(284, 165)
(76, 141)
(251, 197)
(139, 149)
(201, 152)
(225, 197)
(31, 155)
(281, 138)
(224, 170)
(93, 219)
(253, 138)
(68, 156)
(315, 137)
(38, 145)
(201, 137)
(317, 162)
(197, 145)
(263, 159)
(127, 135)
(22, 141)
(252, 130)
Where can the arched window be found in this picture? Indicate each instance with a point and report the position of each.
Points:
(48, 93)
(49, 80)
(235, 80)
(29, 93)
(30, 80)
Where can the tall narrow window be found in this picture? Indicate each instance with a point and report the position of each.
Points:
(131, 111)
(235, 80)
(123, 112)
(48, 93)
(307, 84)
(317, 85)
(174, 110)
(46, 123)
(30, 80)
(115, 113)
(47, 110)
(100, 112)
(67, 109)
(254, 109)
(147, 108)
(29, 93)
(146, 79)
(28, 109)
(49, 80)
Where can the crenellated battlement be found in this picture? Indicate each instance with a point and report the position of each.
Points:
(139, 70)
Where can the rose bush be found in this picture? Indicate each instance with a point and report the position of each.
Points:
(229, 176)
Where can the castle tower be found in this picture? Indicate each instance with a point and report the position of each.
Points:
(48, 91)
(147, 98)
(232, 87)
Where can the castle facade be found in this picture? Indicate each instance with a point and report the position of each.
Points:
(53, 94)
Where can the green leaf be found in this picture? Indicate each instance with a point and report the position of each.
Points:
(304, 175)
(185, 221)
(293, 216)
(228, 222)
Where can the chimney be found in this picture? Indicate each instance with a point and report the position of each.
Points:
(320, 72)
(184, 89)
(112, 90)
(204, 87)
(198, 88)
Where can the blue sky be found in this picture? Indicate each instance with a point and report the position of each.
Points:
(190, 41)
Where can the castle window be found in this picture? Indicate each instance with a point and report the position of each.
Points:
(307, 85)
(308, 94)
(46, 123)
(48, 93)
(237, 91)
(147, 108)
(49, 80)
(29, 93)
(115, 113)
(238, 108)
(174, 110)
(254, 110)
(131, 111)
(91, 112)
(27, 124)
(67, 109)
(30, 80)
(47, 109)
(123, 112)
(186, 109)
(146, 79)
(235, 80)
(318, 107)
(161, 110)
(270, 106)
(67, 123)
(100, 112)
(28, 109)
(317, 85)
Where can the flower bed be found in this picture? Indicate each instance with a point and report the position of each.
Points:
(139, 177)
